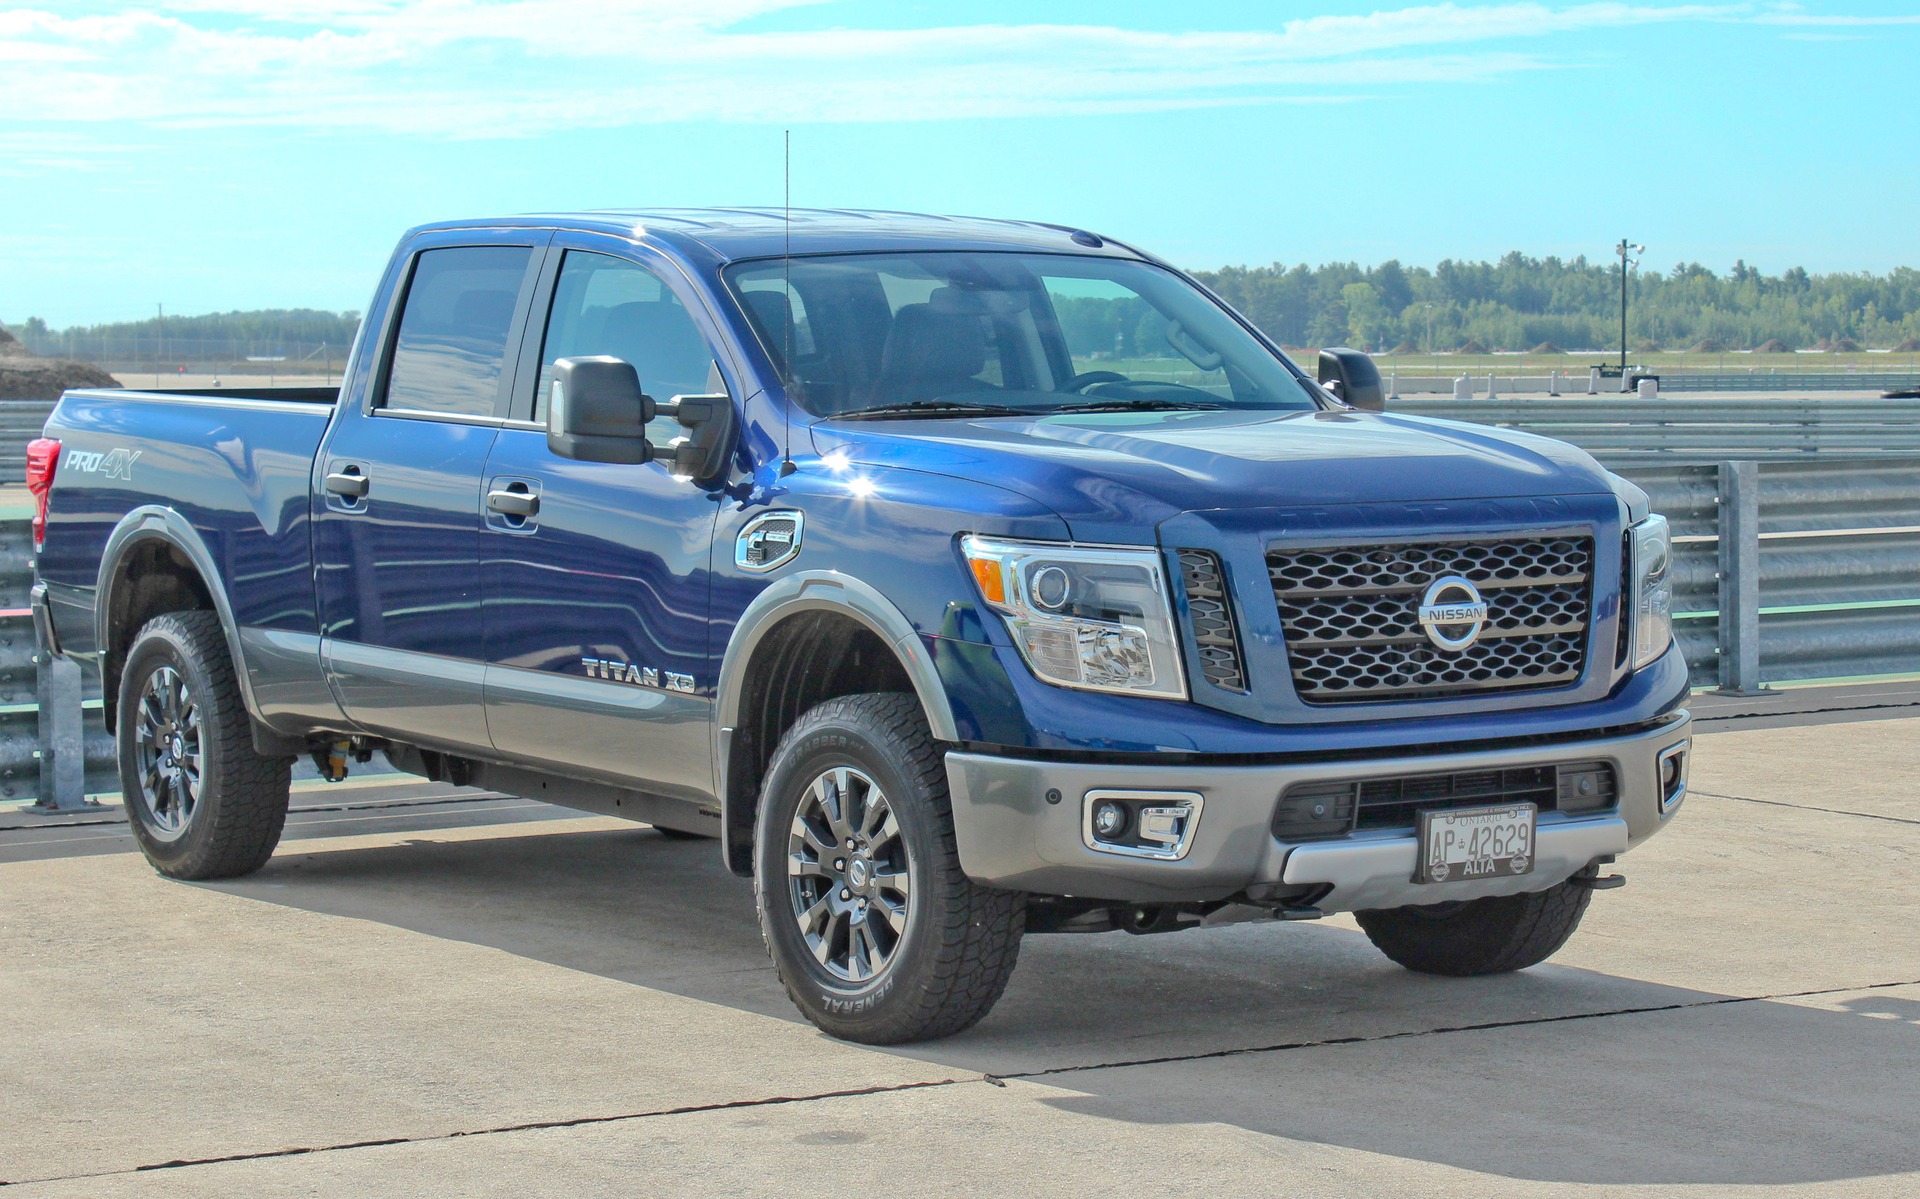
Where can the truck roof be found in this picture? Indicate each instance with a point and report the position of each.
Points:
(729, 234)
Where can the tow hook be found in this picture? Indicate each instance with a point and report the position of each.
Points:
(1593, 880)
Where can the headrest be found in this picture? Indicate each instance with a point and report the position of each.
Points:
(483, 312)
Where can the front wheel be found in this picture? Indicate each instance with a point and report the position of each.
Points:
(1480, 936)
(877, 934)
(201, 801)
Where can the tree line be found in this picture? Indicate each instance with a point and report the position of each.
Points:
(216, 335)
(1517, 303)
(1520, 303)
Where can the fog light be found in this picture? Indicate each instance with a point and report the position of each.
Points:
(1142, 824)
(1673, 776)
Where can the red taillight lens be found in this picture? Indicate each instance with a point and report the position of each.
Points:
(43, 457)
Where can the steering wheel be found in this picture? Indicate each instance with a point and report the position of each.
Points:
(1087, 379)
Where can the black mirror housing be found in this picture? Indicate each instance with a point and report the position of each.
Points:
(1352, 376)
(597, 412)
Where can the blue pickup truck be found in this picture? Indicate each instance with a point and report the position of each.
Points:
(962, 578)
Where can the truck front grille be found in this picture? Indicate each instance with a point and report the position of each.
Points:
(1211, 615)
(1351, 617)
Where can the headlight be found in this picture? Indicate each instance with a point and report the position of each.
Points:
(1652, 611)
(1096, 619)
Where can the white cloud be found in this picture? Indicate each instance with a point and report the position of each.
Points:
(508, 67)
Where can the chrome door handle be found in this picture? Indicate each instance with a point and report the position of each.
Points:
(348, 484)
(513, 503)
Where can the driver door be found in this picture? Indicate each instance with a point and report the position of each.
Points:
(596, 600)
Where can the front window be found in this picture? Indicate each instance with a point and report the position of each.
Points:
(1027, 333)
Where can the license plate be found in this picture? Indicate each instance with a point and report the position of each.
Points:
(1470, 843)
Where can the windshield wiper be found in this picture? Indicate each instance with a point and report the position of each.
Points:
(931, 408)
(1141, 406)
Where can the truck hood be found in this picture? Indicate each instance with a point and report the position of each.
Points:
(1115, 476)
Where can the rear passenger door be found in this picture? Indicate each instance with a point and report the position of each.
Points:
(597, 599)
(397, 521)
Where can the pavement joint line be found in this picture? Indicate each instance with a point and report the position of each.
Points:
(1415, 1033)
(1727, 717)
(1801, 807)
(497, 1130)
(369, 806)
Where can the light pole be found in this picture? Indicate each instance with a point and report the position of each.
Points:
(1629, 257)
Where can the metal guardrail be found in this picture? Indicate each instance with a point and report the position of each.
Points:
(1790, 381)
(1625, 428)
(20, 422)
(42, 708)
(1793, 570)
(1803, 565)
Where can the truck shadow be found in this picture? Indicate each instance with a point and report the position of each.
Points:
(1294, 1031)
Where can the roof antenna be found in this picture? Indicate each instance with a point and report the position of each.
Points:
(786, 327)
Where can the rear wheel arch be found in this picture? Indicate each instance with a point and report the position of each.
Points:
(808, 638)
(156, 562)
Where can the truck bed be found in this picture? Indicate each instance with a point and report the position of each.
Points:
(235, 465)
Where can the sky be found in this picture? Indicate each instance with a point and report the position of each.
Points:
(209, 155)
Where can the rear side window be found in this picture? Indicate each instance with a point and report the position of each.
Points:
(606, 305)
(452, 342)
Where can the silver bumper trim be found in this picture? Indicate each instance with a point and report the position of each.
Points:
(1378, 872)
(1009, 836)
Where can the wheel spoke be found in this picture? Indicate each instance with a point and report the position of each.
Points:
(840, 787)
(896, 916)
(800, 866)
(877, 817)
(805, 834)
(863, 956)
(895, 881)
(814, 915)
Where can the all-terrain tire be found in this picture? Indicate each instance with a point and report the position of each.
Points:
(239, 802)
(960, 939)
(1481, 936)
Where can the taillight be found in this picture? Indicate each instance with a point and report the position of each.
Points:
(43, 457)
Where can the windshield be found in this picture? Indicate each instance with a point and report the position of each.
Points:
(971, 333)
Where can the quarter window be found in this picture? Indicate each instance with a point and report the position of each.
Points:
(452, 342)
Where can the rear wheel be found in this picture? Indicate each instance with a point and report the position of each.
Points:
(1480, 936)
(876, 933)
(201, 801)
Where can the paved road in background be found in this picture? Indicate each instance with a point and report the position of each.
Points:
(432, 992)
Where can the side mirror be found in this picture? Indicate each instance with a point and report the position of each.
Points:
(1353, 378)
(597, 412)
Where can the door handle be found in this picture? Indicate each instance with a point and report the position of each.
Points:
(513, 503)
(349, 484)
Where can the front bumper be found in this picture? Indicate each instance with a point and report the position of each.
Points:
(1010, 835)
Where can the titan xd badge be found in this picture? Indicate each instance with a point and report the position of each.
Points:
(638, 676)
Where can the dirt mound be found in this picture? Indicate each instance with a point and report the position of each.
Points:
(23, 376)
(1546, 347)
(1472, 347)
(1773, 345)
(1845, 345)
(1405, 347)
(1910, 346)
(1709, 346)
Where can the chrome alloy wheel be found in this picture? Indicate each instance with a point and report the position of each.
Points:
(166, 735)
(847, 869)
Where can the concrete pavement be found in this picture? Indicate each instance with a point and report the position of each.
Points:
(441, 994)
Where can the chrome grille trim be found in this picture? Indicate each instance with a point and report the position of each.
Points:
(1350, 617)
(1210, 619)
